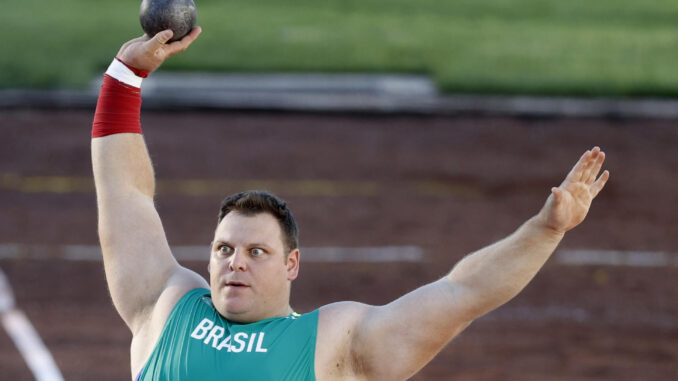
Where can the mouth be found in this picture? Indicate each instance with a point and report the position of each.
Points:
(236, 284)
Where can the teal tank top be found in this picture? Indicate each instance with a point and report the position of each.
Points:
(197, 343)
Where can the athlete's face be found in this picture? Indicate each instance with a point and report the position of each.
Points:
(250, 274)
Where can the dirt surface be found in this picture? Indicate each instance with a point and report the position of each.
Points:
(447, 185)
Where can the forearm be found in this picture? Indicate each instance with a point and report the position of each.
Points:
(479, 283)
(123, 173)
(120, 159)
(492, 276)
(121, 165)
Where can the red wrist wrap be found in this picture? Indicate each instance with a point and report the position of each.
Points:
(118, 109)
(138, 72)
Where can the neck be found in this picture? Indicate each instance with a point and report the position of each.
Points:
(244, 319)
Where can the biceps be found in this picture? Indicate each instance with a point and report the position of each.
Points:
(401, 337)
(137, 258)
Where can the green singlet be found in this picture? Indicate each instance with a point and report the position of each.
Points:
(197, 343)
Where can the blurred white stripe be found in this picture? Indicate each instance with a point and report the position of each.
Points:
(617, 258)
(362, 254)
(26, 339)
(201, 253)
(6, 294)
(578, 257)
(31, 347)
(325, 254)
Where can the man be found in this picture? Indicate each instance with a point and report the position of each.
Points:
(240, 326)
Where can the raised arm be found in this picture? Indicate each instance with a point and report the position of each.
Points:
(394, 341)
(137, 260)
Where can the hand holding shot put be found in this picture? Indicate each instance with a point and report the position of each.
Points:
(240, 325)
(145, 53)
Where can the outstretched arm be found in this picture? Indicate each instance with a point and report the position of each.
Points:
(138, 263)
(394, 341)
(494, 275)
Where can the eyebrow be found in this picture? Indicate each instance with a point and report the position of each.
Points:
(255, 244)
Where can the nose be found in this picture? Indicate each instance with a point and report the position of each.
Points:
(238, 261)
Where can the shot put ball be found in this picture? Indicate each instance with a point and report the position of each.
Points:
(158, 15)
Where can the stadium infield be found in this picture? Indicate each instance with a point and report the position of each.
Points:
(444, 185)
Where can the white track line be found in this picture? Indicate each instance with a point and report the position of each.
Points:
(580, 257)
(26, 339)
(6, 294)
(610, 315)
(617, 258)
(201, 253)
(323, 254)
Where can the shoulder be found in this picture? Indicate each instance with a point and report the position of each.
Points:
(147, 333)
(338, 322)
(182, 283)
(341, 313)
(338, 328)
(178, 284)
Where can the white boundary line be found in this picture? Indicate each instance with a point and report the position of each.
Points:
(201, 253)
(7, 301)
(26, 339)
(571, 313)
(377, 254)
(589, 257)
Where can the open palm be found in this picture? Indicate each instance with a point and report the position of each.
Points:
(569, 203)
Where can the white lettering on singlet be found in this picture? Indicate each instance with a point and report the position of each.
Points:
(261, 340)
(201, 330)
(215, 334)
(238, 339)
(206, 331)
(249, 346)
(226, 343)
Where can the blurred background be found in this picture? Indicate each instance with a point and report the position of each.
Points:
(404, 135)
(608, 47)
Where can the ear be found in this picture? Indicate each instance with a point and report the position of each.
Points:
(292, 264)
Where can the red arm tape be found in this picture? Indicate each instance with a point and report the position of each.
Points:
(137, 72)
(118, 109)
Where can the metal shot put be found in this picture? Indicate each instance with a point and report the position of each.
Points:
(178, 15)
(239, 324)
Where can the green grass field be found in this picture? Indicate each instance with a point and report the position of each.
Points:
(576, 47)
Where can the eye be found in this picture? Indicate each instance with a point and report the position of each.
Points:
(257, 252)
(225, 250)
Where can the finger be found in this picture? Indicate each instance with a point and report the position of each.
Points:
(576, 171)
(586, 173)
(143, 37)
(130, 42)
(183, 44)
(600, 183)
(595, 168)
(159, 40)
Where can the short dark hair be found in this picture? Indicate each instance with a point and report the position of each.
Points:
(256, 201)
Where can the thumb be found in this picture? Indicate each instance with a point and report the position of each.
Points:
(557, 194)
(160, 38)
